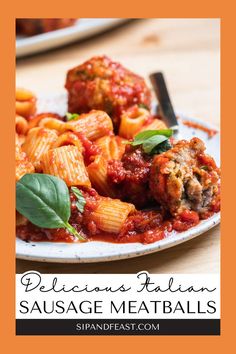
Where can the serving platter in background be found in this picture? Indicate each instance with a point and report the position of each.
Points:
(83, 28)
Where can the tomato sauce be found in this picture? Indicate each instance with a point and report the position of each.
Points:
(143, 226)
(90, 149)
(209, 131)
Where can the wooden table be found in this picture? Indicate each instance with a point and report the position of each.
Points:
(187, 50)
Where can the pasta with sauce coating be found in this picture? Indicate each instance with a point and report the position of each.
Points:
(132, 121)
(155, 124)
(97, 171)
(93, 125)
(110, 214)
(25, 102)
(38, 141)
(52, 123)
(67, 163)
(68, 138)
(23, 165)
(21, 125)
(112, 147)
(35, 120)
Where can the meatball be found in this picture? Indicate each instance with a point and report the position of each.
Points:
(103, 84)
(30, 27)
(185, 178)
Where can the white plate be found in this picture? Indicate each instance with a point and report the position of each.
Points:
(103, 251)
(83, 28)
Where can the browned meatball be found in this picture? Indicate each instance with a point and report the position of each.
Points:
(103, 84)
(30, 26)
(185, 178)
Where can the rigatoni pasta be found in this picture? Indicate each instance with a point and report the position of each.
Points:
(112, 147)
(68, 138)
(36, 119)
(67, 163)
(23, 165)
(37, 143)
(52, 123)
(132, 121)
(21, 125)
(92, 125)
(97, 171)
(154, 124)
(111, 214)
(25, 102)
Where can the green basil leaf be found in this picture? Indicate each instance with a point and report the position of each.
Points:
(45, 201)
(71, 116)
(152, 142)
(80, 204)
(140, 138)
(162, 147)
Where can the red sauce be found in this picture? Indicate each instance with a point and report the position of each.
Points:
(185, 220)
(143, 226)
(129, 234)
(90, 149)
(210, 132)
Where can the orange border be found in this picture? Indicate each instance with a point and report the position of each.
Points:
(104, 344)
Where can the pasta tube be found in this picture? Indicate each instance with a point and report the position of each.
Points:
(112, 147)
(155, 124)
(132, 121)
(68, 138)
(110, 214)
(23, 165)
(34, 122)
(38, 141)
(21, 139)
(66, 162)
(93, 125)
(97, 171)
(25, 102)
(21, 125)
(53, 123)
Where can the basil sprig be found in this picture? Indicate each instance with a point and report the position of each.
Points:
(153, 141)
(45, 201)
(163, 147)
(80, 204)
(71, 116)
